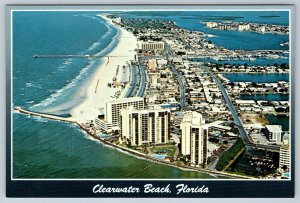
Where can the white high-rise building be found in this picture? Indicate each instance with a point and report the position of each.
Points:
(113, 108)
(194, 138)
(111, 120)
(149, 126)
(151, 45)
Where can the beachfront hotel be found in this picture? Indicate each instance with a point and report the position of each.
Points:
(113, 108)
(111, 120)
(148, 126)
(194, 138)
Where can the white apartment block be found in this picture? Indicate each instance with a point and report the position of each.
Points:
(194, 138)
(274, 133)
(151, 45)
(150, 126)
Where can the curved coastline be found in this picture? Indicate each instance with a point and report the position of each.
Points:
(148, 158)
(80, 94)
(97, 93)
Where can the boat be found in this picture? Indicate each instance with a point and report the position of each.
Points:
(284, 44)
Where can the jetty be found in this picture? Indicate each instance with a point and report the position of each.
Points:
(43, 115)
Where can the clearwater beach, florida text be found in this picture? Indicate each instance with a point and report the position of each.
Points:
(150, 188)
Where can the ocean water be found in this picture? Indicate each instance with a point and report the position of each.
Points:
(51, 149)
(44, 84)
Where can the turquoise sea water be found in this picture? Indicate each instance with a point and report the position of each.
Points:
(50, 149)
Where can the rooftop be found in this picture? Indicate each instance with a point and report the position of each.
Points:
(192, 117)
(129, 99)
(273, 128)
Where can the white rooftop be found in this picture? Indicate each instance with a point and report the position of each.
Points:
(245, 101)
(192, 117)
(129, 99)
(273, 128)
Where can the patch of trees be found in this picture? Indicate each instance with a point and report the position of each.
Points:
(229, 154)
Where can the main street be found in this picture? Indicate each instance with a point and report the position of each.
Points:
(168, 52)
(143, 82)
(134, 82)
(181, 85)
(138, 79)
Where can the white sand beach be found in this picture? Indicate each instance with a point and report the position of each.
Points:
(98, 92)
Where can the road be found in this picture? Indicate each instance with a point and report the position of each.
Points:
(168, 52)
(134, 82)
(143, 83)
(232, 109)
(138, 79)
(237, 119)
(182, 86)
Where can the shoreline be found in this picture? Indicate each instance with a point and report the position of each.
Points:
(134, 153)
(96, 90)
(137, 154)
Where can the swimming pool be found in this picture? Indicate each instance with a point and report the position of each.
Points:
(158, 156)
